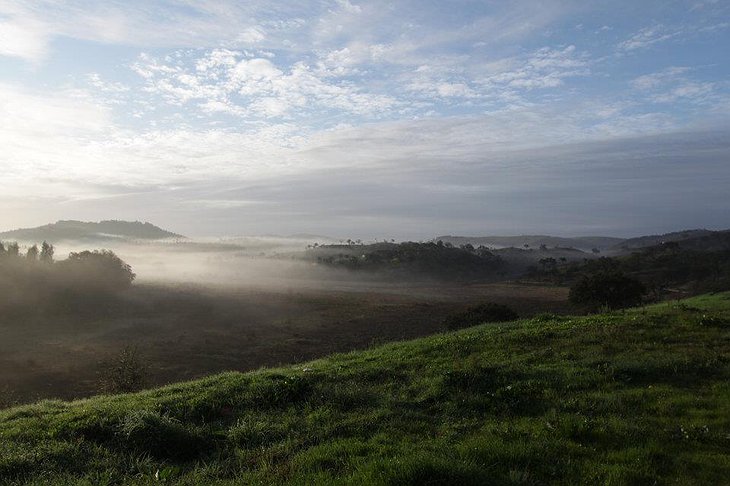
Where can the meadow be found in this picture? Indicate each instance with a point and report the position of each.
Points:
(185, 331)
(629, 397)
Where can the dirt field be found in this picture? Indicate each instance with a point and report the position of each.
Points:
(185, 332)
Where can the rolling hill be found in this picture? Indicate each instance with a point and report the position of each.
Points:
(636, 397)
(83, 231)
(653, 240)
(586, 243)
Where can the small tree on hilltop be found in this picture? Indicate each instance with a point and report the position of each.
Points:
(612, 289)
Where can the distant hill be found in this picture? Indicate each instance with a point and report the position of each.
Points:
(81, 230)
(653, 240)
(534, 241)
(714, 241)
(409, 258)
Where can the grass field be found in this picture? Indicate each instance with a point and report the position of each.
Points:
(640, 397)
(189, 332)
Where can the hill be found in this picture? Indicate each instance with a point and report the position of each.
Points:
(81, 230)
(534, 241)
(694, 265)
(711, 242)
(653, 240)
(409, 259)
(639, 397)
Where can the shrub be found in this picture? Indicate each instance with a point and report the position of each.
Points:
(489, 312)
(614, 290)
(125, 373)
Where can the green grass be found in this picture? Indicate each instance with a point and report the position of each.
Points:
(641, 397)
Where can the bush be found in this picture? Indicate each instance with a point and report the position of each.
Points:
(607, 289)
(125, 373)
(489, 312)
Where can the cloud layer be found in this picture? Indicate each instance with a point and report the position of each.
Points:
(340, 116)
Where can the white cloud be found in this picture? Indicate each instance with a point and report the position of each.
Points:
(674, 84)
(104, 86)
(647, 37)
(542, 69)
(23, 38)
(228, 81)
(347, 6)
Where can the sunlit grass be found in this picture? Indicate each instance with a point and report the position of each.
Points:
(633, 397)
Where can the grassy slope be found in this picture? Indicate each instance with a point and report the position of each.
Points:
(616, 399)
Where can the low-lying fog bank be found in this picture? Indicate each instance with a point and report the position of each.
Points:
(246, 262)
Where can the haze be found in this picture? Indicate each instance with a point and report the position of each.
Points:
(367, 119)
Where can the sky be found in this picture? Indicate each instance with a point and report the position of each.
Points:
(367, 119)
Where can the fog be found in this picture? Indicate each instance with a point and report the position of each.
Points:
(256, 262)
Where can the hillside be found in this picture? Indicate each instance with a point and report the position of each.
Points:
(534, 241)
(653, 240)
(409, 259)
(694, 265)
(641, 397)
(81, 230)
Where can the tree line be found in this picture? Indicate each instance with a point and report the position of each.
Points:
(34, 278)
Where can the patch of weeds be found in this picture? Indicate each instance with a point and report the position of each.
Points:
(8, 397)
(713, 321)
(251, 433)
(161, 436)
(686, 307)
(548, 317)
(479, 314)
(485, 379)
(427, 469)
(279, 390)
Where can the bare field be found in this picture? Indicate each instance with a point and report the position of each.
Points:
(186, 331)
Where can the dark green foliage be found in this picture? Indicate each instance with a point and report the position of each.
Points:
(697, 264)
(479, 314)
(84, 280)
(98, 270)
(673, 265)
(436, 260)
(638, 397)
(610, 289)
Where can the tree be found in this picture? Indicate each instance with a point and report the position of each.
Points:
(549, 264)
(127, 372)
(101, 269)
(47, 251)
(612, 289)
(13, 249)
(32, 253)
(596, 251)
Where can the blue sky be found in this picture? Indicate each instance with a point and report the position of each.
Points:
(367, 119)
